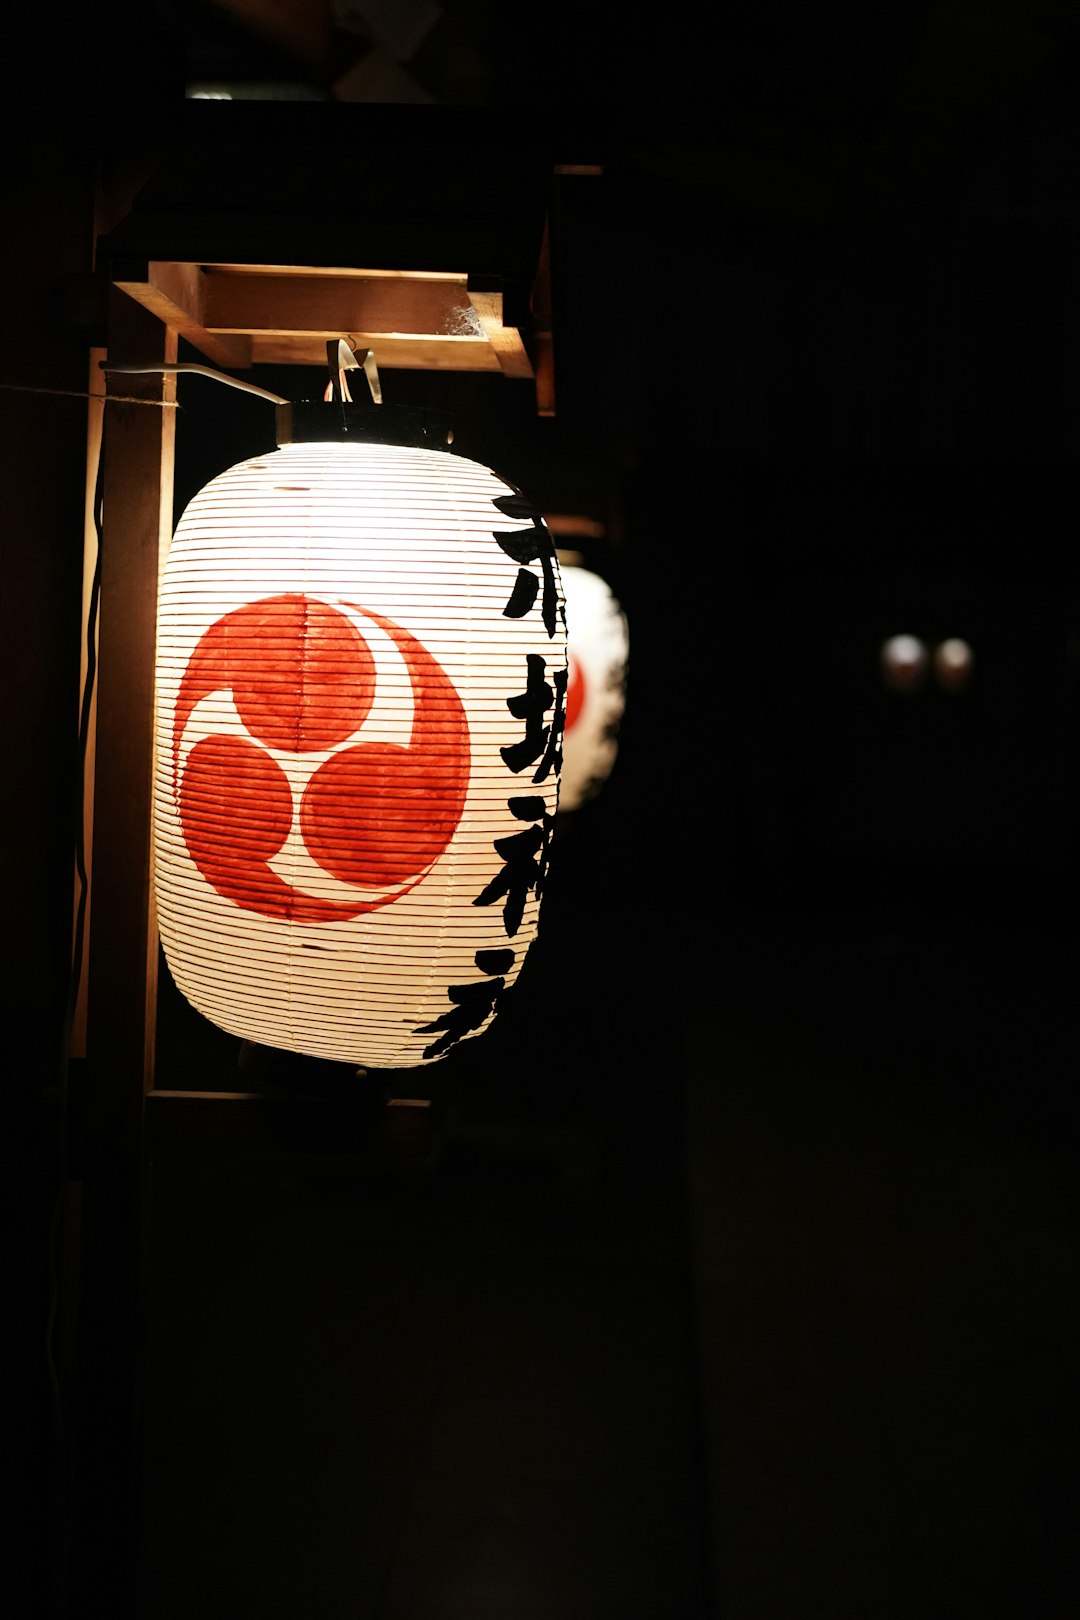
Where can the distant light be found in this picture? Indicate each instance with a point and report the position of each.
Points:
(903, 663)
(953, 661)
(253, 90)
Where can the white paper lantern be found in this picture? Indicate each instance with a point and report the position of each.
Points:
(361, 675)
(597, 648)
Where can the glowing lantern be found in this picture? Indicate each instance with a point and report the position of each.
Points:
(903, 663)
(953, 661)
(361, 676)
(597, 648)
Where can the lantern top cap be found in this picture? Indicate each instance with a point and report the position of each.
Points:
(309, 421)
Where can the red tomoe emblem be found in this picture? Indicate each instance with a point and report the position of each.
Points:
(575, 690)
(303, 680)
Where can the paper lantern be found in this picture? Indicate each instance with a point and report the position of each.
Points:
(953, 663)
(361, 675)
(903, 663)
(597, 650)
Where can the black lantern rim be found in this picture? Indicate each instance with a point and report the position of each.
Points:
(311, 421)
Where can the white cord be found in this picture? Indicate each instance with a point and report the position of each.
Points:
(205, 371)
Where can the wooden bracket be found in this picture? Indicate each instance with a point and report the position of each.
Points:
(239, 315)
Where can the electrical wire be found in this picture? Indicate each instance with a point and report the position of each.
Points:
(204, 371)
(64, 1062)
(85, 712)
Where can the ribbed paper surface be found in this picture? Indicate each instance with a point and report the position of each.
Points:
(348, 864)
(598, 648)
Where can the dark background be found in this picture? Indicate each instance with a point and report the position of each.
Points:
(738, 1278)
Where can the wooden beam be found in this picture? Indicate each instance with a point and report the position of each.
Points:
(137, 503)
(280, 315)
(346, 272)
(174, 294)
(122, 981)
(505, 340)
(404, 353)
(330, 305)
(543, 335)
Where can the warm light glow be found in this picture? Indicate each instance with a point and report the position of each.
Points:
(953, 663)
(361, 680)
(597, 649)
(903, 663)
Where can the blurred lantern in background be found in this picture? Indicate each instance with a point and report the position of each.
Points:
(953, 663)
(597, 652)
(361, 684)
(904, 662)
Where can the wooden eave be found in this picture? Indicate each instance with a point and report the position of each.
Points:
(422, 234)
(240, 315)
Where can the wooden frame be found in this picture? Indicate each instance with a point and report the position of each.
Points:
(239, 315)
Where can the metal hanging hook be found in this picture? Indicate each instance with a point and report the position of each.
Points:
(341, 358)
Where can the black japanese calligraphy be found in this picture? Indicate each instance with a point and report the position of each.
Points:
(540, 742)
(526, 856)
(527, 546)
(472, 1003)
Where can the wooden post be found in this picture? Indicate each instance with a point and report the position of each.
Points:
(122, 970)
